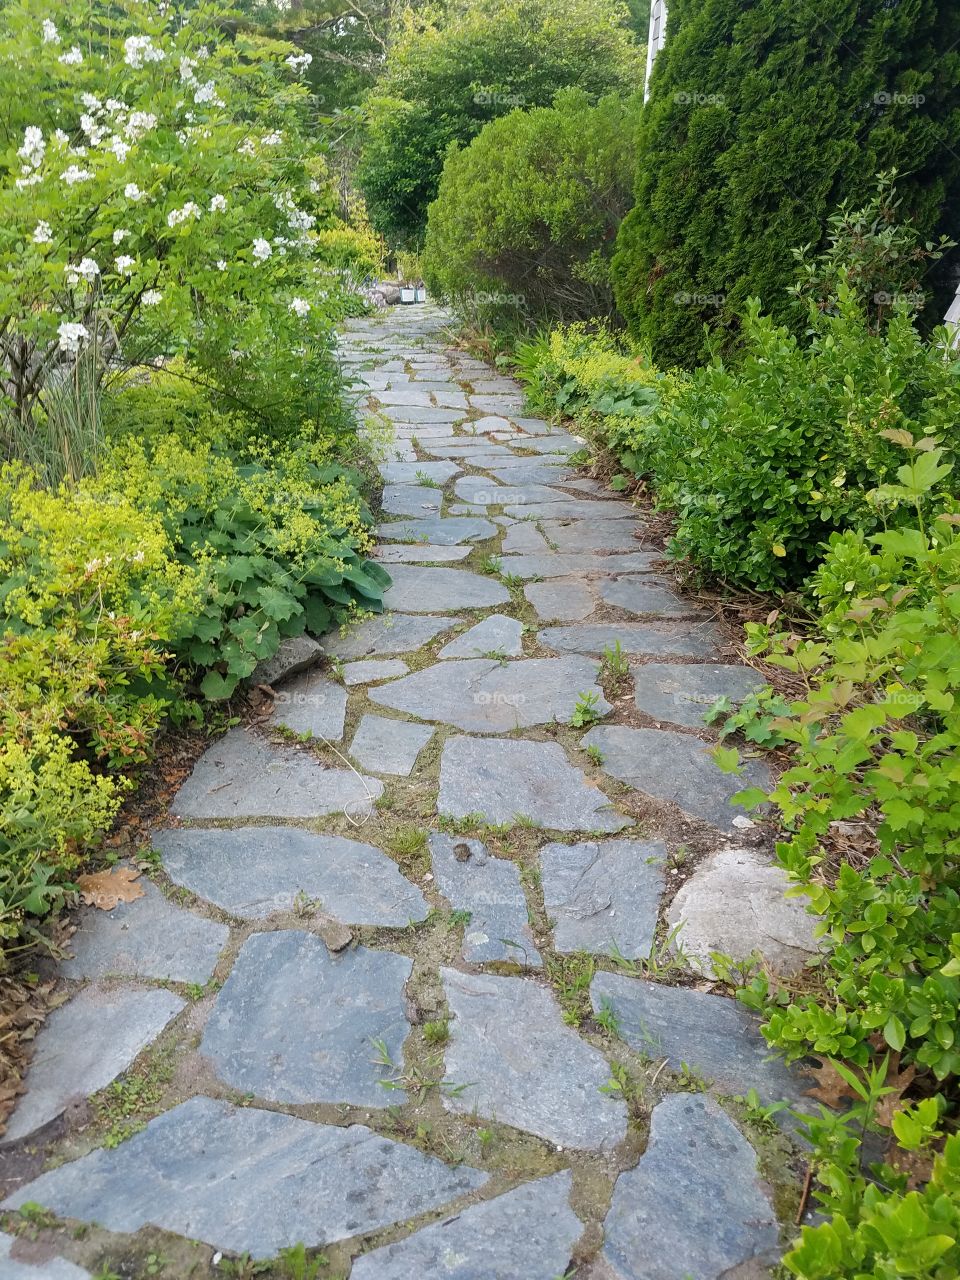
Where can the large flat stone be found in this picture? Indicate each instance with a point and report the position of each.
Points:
(86, 1043)
(496, 634)
(529, 1232)
(491, 422)
(524, 537)
(523, 1066)
(471, 879)
(560, 599)
(250, 1181)
(494, 404)
(486, 492)
(389, 746)
(691, 640)
(676, 767)
(413, 473)
(575, 509)
(34, 1262)
(465, 447)
(418, 415)
(698, 1170)
(415, 500)
(643, 596)
(311, 703)
(363, 672)
(391, 633)
(147, 938)
(683, 693)
(423, 590)
(507, 780)
(735, 903)
(487, 696)
(295, 1024)
(603, 895)
(242, 776)
(716, 1036)
(531, 471)
(591, 535)
(441, 531)
(562, 564)
(254, 871)
(420, 553)
(405, 395)
(295, 654)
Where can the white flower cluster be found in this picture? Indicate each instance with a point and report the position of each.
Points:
(299, 62)
(33, 148)
(71, 336)
(133, 192)
(139, 50)
(176, 216)
(140, 122)
(72, 58)
(42, 233)
(272, 139)
(218, 204)
(50, 33)
(75, 174)
(124, 264)
(300, 307)
(151, 297)
(207, 93)
(297, 219)
(87, 269)
(261, 250)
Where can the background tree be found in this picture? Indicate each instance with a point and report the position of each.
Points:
(765, 115)
(448, 75)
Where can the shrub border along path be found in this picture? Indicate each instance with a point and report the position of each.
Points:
(405, 986)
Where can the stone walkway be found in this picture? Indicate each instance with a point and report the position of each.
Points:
(422, 969)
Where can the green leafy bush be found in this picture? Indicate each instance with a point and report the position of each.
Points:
(525, 216)
(445, 78)
(763, 118)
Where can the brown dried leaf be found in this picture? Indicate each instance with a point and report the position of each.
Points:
(104, 889)
(830, 1088)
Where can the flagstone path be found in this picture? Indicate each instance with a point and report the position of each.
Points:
(411, 982)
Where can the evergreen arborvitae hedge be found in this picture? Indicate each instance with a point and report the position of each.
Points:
(764, 116)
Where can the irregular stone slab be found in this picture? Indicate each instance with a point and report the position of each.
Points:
(552, 441)
(295, 1024)
(523, 1066)
(488, 696)
(499, 405)
(695, 640)
(397, 450)
(568, 508)
(389, 633)
(471, 879)
(443, 532)
(389, 746)
(634, 595)
(523, 471)
(563, 564)
(506, 780)
(524, 536)
(253, 871)
(560, 599)
(480, 426)
(463, 447)
(588, 535)
(411, 500)
(420, 553)
(86, 1043)
(604, 896)
(494, 385)
(417, 415)
(241, 776)
(700, 1170)
(412, 473)
(405, 395)
(421, 590)
(683, 693)
(735, 903)
(484, 491)
(715, 1036)
(495, 634)
(37, 1265)
(250, 1181)
(528, 1232)
(676, 767)
(147, 938)
(295, 654)
(537, 427)
(312, 703)
(367, 672)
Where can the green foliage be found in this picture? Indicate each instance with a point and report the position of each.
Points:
(526, 214)
(763, 462)
(446, 77)
(764, 117)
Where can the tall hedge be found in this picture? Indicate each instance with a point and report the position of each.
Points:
(764, 116)
(446, 77)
